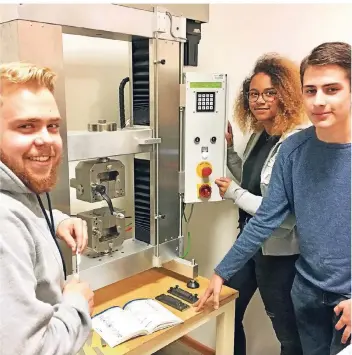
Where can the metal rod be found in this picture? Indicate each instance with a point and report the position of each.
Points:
(181, 172)
(180, 228)
(182, 112)
(181, 155)
(156, 134)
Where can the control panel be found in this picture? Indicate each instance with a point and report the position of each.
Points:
(204, 135)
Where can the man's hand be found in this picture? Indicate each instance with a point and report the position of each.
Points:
(223, 184)
(214, 288)
(345, 319)
(229, 134)
(83, 288)
(74, 232)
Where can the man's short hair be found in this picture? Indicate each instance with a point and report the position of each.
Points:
(17, 74)
(333, 53)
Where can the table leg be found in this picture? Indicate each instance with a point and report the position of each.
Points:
(225, 327)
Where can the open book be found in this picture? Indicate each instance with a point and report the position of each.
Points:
(346, 351)
(138, 317)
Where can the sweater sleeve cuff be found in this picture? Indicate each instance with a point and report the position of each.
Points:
(218, 271)
(59, 217)
(76, 301)
(230, 193)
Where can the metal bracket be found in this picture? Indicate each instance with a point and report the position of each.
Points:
(160, 22)
(166, 23)
(157, 261)
(183, 267)
(149, 141)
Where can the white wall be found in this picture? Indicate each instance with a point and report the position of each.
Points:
(94, 68)
(235, 37)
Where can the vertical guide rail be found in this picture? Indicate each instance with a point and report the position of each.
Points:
(165, 161)
(181, 156)
(156, 134)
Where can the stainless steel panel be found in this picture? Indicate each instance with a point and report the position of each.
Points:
(109, 21)
(42, 44)
(132, 258)
(168, 250)
(199, 12)
(91, 145)
(182, 267)
(168, 91)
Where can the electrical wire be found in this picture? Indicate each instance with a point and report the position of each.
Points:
(190, 215)
(171, 31)
(188, 245)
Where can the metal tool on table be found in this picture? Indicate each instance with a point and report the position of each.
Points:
(78, 262)
(98, 351)
(103, 342)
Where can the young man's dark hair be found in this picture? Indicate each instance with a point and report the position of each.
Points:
(333, 53)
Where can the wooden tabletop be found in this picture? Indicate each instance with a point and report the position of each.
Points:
(149, 284)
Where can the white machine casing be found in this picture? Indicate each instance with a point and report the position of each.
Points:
(204, 135)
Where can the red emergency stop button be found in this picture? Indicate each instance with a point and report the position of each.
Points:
(206, 171)
(205, 191)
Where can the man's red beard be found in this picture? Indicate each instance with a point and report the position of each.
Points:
(36, 185)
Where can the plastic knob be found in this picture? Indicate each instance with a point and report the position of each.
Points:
(206, 171)
(205, 191)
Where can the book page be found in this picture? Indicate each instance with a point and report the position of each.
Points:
(152, 315)
(346, 351)
(116, 326)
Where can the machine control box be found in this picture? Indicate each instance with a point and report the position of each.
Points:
(204, 135)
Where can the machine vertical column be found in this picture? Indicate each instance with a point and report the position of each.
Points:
(41, 44)
(166, 120)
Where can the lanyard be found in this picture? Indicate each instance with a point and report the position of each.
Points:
(51, 226)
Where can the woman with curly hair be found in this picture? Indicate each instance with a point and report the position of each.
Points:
(270, 106)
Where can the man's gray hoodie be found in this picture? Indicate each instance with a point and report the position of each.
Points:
(35, 317)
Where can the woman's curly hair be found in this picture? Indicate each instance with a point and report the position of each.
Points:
(285, 78)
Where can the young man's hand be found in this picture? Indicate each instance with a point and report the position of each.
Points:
(75, 286)
(214, 289)
(345, 319)
(74, 232)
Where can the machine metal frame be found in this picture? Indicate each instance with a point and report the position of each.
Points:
(34, 33)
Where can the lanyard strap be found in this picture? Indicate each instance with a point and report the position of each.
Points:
(51, 226)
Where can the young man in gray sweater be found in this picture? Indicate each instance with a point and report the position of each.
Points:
(312, 180)
(40, 314)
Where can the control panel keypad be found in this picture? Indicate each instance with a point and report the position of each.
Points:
(205, 102)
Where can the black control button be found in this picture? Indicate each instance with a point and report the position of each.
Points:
(196, 140)
(213, 140)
